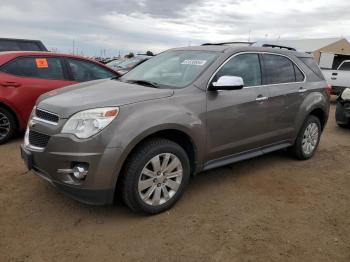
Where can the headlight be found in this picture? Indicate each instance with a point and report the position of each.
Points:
(89, 122)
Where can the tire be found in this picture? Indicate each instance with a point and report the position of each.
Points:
(297, 149)
(140, 172)
(8, 125)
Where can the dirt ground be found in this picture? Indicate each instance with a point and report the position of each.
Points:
(271, 208)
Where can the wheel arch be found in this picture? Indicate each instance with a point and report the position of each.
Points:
(320, 114)
(314, 104)
(14, 114)
(175, 134)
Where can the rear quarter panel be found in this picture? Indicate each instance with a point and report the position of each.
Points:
(315, 98)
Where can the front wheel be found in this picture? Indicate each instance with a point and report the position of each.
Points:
(308, 139)
(155, 176)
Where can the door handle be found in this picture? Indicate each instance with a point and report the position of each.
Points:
(14, 84)
(261, 98)
(302, 90)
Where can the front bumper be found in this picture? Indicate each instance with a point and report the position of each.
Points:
(342, 112)
(99, 185)
(337, 90)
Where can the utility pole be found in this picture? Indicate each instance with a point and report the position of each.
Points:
(73, 46)
(250, 30)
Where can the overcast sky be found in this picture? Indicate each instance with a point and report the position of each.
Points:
(140, 25)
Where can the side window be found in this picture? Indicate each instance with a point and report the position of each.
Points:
(345, 66)
(278, 69)
(36, 67)
(7, 45)
(246, 66)
(299, 76)
(86, 71)
(29, 46)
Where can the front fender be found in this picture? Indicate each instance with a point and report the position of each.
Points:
(139, 121)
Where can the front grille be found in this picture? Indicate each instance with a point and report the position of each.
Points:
(46, 115)
(38, 139)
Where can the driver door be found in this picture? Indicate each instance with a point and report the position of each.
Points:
(237, 119)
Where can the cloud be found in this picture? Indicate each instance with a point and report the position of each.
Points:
(140, 25)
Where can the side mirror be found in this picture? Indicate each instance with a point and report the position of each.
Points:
(227, 83)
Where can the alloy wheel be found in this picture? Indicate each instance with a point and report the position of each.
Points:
(5, 126)
(310, 138)
(160, 179)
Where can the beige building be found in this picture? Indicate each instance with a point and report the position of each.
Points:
(328, 52)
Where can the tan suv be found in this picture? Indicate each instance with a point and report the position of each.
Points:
(182, 112)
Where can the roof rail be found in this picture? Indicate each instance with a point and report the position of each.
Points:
(261, 44)
(229, 43)
(258, 44)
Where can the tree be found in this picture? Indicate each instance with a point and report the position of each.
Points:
(149, 53)
(130, 55)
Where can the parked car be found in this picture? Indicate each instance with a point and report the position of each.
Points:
(24, 76)
(114, 63)
(184, 111)
(131, 63)
(340, 78)
(342, 113)
(11, 44)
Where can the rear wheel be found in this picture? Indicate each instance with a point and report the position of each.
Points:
(308, 139)
(7, 125)
(155, 176)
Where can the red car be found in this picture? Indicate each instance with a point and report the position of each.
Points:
(24, 76)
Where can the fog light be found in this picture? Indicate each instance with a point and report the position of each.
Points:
(80, 172)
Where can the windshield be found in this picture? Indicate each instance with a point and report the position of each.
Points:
(174, 68)
(130, 63)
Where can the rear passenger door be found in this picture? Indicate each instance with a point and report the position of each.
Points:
(286, 85)
(82, 71)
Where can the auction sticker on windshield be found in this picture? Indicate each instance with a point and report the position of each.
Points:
(194, 62)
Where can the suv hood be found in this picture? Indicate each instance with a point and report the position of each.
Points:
(101, 93)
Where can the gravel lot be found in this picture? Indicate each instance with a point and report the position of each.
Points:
(271, 208)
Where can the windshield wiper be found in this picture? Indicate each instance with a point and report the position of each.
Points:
(144, 82)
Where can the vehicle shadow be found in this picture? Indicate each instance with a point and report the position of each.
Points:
(203, 183)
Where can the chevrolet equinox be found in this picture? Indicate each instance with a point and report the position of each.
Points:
(187, 110)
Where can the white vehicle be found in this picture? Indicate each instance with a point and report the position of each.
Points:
(340, 78)
(342, 112)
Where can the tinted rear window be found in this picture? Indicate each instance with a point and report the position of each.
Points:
(278, 69)
(311, 63)
(12, 45)
(299, 76)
